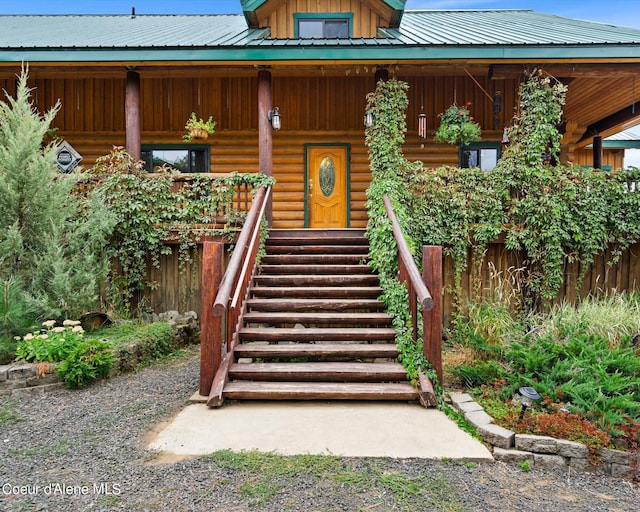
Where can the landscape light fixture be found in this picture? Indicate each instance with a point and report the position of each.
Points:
(274, 118)
(527, 396)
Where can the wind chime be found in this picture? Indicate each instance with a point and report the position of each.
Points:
(422, 124)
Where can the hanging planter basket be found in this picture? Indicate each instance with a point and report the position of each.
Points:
(199, 133)
(457, 126)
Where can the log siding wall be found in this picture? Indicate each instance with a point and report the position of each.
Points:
(315, 109)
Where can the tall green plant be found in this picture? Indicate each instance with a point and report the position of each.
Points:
(388, 168)
(47, 244)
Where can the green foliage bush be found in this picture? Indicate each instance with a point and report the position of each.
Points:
(581, 362)
(147, 209)
(91, 359)
(550, 214)
(46, 244)
(50, 344)
(136, 343)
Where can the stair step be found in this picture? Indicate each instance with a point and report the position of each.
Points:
(312, 236)
(334, 334)
(319, 391)
(317, 280)
(265, 304)
(357, 319)
(319, 372)
(312, 259)
(315, 269)
(317, 292)
(362, 250)
(325, 350)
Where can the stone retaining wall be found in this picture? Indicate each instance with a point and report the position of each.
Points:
(540, 451)
(25, 379)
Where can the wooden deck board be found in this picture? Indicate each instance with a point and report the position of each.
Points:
(356, 351)
(319, 372)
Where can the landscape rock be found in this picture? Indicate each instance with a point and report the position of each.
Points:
(496, 435)
(538, 444)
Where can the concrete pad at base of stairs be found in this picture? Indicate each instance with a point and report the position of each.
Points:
(350, 429)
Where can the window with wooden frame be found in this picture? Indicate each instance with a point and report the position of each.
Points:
(187, 158)
(321, 25)
(480, 154)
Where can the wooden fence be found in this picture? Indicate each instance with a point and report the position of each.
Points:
(499, 266)
(181, 290)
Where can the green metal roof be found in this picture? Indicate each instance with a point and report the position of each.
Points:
(437, 35)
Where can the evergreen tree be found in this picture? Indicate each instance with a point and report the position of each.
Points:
(50, 243)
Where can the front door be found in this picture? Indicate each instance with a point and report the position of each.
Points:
(327, 185)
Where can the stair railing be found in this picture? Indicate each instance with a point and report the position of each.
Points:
(425, 292)
(221, 316)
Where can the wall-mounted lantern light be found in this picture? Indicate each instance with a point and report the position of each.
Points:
(505, 136)
(368, 120)
(274, 118)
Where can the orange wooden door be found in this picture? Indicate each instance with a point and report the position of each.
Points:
(327, 186)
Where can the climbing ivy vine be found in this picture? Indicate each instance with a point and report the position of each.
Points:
(150, 209)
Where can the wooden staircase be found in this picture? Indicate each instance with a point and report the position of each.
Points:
(314, 327)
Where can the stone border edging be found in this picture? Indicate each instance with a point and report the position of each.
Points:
(20, 378)
(539, 451)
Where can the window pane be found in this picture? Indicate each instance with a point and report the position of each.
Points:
(334, 29)
(308, 29)
(469, 158)
(488, 159)
(198, 160)
(176, 158)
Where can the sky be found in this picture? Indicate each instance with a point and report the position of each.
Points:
(618, 12)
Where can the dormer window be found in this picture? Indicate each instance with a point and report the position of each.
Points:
(323, 25)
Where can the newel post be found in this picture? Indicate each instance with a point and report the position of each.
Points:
(432, 319)
(211, 337)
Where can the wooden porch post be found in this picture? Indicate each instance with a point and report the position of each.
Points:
(210, 325)
(432, 319)
(597, 152)
(265, 132)
(132, 114)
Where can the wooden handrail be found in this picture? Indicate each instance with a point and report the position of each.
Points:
(425, 299)
(422, 292)
(230, 278)
(223, 299)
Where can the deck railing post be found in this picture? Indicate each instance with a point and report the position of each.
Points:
(211, 326)
(432, 319)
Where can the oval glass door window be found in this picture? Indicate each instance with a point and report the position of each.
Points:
(327, 176)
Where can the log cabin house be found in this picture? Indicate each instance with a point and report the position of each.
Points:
(286, 82)
(133, 80)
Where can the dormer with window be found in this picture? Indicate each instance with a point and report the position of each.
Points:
(291, 19)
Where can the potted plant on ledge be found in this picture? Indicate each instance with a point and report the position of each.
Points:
(457, 126)
(197, 128)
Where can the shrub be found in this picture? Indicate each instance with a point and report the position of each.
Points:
(90, 360)
(48, 243)
(52, 343)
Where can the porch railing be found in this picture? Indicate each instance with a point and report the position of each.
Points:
(425, 293)
(223, 299)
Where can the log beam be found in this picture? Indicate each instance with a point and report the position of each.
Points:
(597, 152)
(621, 120)
(515, 71)
(132, 114)
(265, 132)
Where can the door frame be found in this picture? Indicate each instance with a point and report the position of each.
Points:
(347, 198)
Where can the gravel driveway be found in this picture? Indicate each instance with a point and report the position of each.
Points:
(85, 450)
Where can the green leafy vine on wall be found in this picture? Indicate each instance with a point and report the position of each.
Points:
(149, 210)
(384, 140)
